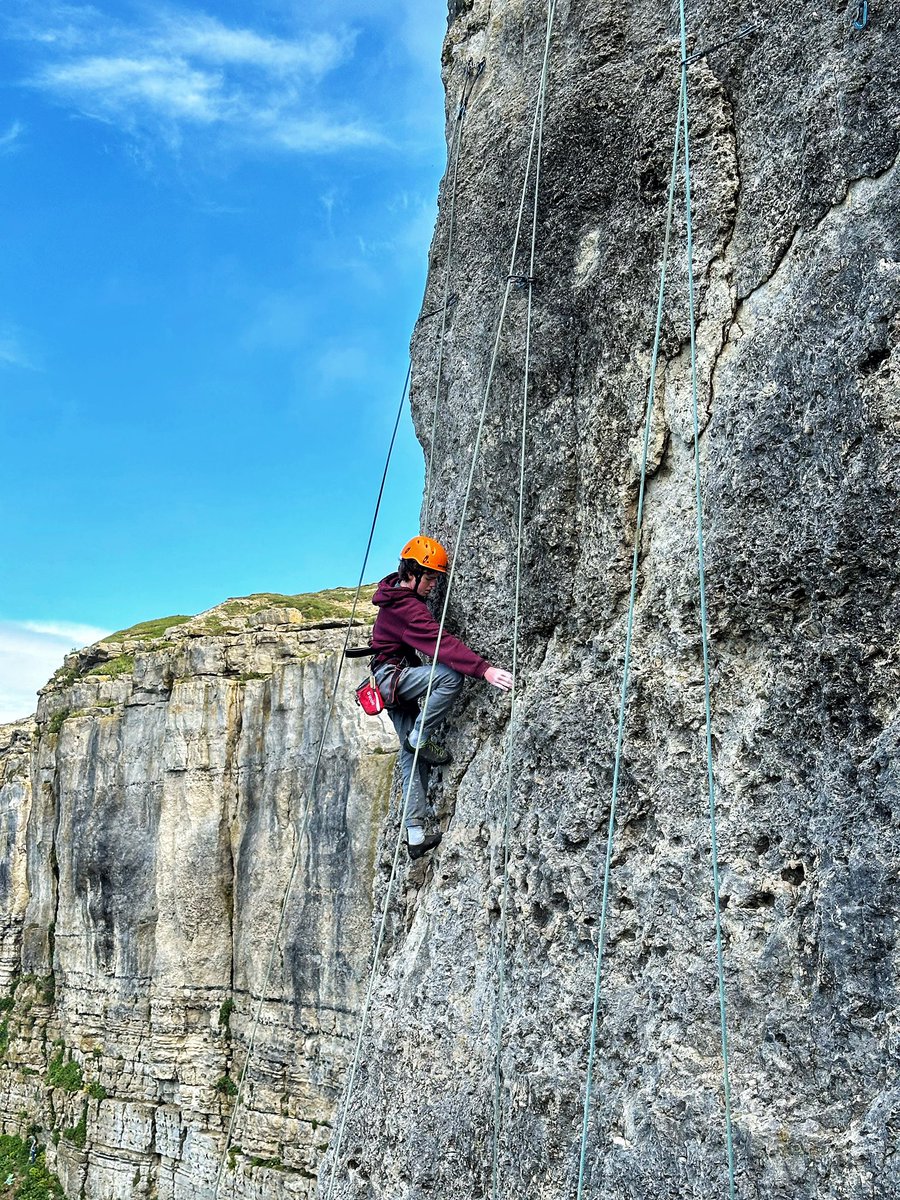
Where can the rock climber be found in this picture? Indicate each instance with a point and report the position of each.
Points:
(404, 629)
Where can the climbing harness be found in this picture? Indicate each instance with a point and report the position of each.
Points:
(473, 74)
(527, 281)
(682, 122)
(501, 320)
(861, 20)
(306, 805)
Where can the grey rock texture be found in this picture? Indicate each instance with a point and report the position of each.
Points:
(149, 818)
(797, 226)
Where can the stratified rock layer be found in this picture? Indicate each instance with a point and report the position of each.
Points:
(150, 817)
(795, 178)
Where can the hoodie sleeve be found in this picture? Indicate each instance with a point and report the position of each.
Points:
(421, 633)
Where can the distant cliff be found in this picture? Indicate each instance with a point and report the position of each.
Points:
(148, 820)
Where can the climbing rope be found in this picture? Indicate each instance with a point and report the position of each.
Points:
(632, 602)
(704, 620)
(683, 121)
(367, 1004)
(473, 74)
(514, 707)
(306, 806)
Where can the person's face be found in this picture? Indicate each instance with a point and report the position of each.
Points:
(428, 582)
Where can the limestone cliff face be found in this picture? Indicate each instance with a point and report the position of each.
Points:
(797, 225)
(149, 818)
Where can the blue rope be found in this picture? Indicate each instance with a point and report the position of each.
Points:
(704, 620)
(500, 1014)
(604, 909)
(861, 20)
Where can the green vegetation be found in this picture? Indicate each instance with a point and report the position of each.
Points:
(148, 630)
(97, 1091)
(225, 1012)
(44, 985)
(212, 625)
(226, 1086)
(63, 1072)
(114, 667)
(31, 1181)
(334, 604)
(64, 676)
(272, 1164)
(77, 1134)
(55, 724)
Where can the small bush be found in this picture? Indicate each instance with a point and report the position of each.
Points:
(226, 1086)
(123, 665)
(270, 1164)
(77, 1134)
(55, 724)
(97, 1091)
(225, 1012)
(64, 1072)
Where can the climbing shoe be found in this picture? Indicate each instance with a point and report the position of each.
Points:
(429, 752)
(428, 843)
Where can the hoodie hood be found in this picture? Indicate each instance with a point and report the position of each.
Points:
(389, 592)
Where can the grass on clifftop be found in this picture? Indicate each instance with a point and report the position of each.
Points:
(147, 629)
(333, 604)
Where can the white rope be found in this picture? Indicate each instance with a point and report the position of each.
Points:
(514, 710)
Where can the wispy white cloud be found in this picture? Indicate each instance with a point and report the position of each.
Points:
(9, 141)
(204, 37)
(320, 133)
(182, 71)
(70, 632)
(30, 651)
(119, 85)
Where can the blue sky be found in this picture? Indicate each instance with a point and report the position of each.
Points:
(214, 224)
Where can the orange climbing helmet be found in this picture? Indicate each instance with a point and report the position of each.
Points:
(427, 553)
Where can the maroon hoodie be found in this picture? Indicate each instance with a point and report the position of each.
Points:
(404, 624)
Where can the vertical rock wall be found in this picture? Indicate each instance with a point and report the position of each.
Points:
(149, 820)
(795, 143)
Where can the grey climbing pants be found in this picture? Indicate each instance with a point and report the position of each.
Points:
(412, 685)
